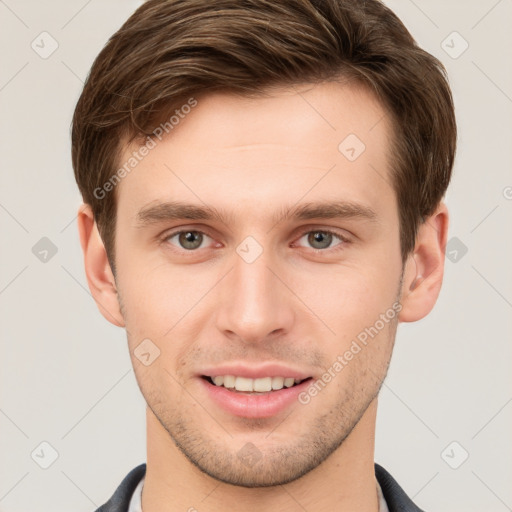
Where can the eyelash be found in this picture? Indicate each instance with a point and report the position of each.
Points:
(344, 241)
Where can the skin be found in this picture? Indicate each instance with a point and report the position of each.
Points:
(298, 303)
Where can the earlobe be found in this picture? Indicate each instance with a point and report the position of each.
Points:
(424, 268)
(97, 268)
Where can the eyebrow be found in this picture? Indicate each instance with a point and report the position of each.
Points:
(177, 210)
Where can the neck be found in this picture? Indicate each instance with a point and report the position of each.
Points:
(344, 482)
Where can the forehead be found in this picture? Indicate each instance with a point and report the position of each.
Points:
(328, 140)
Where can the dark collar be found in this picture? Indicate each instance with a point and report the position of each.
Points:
(394, 495)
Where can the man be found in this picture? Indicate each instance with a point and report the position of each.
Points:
(263, 187)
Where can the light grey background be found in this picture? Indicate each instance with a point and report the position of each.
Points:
(66, 375)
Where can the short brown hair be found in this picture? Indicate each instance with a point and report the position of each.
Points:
(168, 51)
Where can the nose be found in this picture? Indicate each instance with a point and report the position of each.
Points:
(255, 304)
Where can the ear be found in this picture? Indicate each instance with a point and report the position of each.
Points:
(424, 268)
(97, 268)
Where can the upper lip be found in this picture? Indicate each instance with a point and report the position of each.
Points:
(256, 371)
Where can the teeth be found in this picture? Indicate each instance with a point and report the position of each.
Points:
(288, 383)
(218, 381)
(229, 381)
(261, 385)
(277, 382)
(243, 384)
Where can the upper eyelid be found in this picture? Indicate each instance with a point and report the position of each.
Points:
(171, 233)
(323, 230)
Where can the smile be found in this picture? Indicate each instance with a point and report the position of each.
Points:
(262, 397)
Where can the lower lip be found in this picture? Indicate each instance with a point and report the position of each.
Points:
(254, 406)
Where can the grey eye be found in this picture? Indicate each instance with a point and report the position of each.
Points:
(320, 239)
(189, 240)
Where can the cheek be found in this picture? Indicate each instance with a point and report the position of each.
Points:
(347, 299)
(161, 299)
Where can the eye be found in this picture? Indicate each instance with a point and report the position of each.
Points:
(321, 239)
(189, 240)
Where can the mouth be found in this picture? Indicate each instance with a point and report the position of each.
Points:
(248, 386)
(261, 397)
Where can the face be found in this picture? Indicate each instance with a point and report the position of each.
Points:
(253, 250)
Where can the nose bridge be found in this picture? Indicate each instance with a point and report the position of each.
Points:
(254, 303)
